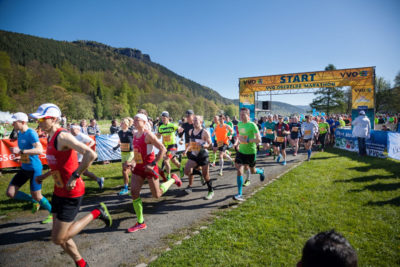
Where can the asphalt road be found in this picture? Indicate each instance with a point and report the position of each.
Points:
(26, 242)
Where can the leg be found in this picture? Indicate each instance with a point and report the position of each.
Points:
(91, 175)
(59, 236)
(190, 165)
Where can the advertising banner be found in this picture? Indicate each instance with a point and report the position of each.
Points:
(344, 139)
(393, 144)
(247, 100)
(362, 97)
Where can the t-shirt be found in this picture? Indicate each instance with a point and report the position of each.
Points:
(25, 141)
(114, 129)
(342, 123)
(247, 131)
(168, 133)
(126, 139)
(93, 130)
(268, 129)
(323, 127)
(279, 128)
(308, 130)
(295, 130)
(83, 138)
(231, 125)
(186, 128)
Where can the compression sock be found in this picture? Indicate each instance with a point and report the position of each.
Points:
(81, 263)
(24, 196)
(169, 176)
(138, 207)
(166, 185)
(45, 204)
(247, 174)
(209, 185)
(221, 164)
(95, 213)
(228, 156)
(309, 153)
(240, 184)
(215, 157)
(258, 171)
(126, 186)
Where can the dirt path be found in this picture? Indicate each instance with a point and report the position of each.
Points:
(25, 242)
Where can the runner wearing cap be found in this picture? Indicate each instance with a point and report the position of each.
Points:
(308, 131)
(69, 187)
(221, 133)
(248, 138)
(146, 167)
(295, 134)
(75, 131)
(125, 143)
(167, 131)
(29, 148)
(198, 155)
(281, 131)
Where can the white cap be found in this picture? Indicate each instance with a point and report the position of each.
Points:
(19, 116)
(362, 112)
(141, 116)
(46, 110)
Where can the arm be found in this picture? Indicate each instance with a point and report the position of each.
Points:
(257, 139)
(206, 137)
(36, 150)
(40, 178)
(152, 139)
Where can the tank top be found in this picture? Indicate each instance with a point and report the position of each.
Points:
(143, 153)
(221, 134)
(196, 143)
(62, 165)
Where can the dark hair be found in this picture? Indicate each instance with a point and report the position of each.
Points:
(328, 249)
(245, 109)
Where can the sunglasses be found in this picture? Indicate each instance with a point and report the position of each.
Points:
(43, 119)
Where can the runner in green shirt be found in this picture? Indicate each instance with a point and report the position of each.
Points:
(323, 129)
(249, 137)
(167, 131)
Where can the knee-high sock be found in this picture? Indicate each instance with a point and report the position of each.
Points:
(221, 164)
(229, 157)
(215, 156)
(247, 174)
(209, 185)
(24, 196)
(45, 204)
(258, 170)
(240, 184)
(138, 207)
(166, 185)
(309, 153)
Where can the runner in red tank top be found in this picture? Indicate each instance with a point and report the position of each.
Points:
(146, 167)
(68, 185)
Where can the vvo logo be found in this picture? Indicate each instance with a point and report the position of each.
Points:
(250, 82)
(363, 73)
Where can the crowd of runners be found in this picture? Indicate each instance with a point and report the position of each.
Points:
(69, 155)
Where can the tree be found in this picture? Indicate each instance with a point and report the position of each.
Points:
(397, 80)
(382, 94)
(329, 99)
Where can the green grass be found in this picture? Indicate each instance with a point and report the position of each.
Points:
(358, 197)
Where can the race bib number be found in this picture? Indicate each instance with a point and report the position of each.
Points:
(137, 157)
(322, 130)
(25, 159)
(125, 147)
(166, 138)
(57, 179)
(295, 129)
(195, 147)
(280, 139)
(269, 131)
(220, 143)
(307, 132)
(243, 139)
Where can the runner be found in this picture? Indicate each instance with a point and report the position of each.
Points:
(308, 131)
(29, 148)
(295, 134)
(75, 131)
(145, 160)
(221, 133)
(323, 129)
(214, 123)
(167, 131)
(249, 137)
(281, 131)
(267, 129)
(69, 187)
(125, 142)
(198, 155)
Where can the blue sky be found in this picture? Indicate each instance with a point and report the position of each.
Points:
(216, 42)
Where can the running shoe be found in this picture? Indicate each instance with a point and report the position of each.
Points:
(308, 159)
(101, 183)
(212, 164)
(262, 176)
(105, 215)
(181, 172)
(238, 197)
(279, 158)
(220, 173)
(284, 163)
(124, 191)
(246, 183)
(188, 190)
(210, 195)
(49, 219)
(178, 181)
(274, 156)
(137, 227)
(203, 182)
(35, 207)
(294, 154)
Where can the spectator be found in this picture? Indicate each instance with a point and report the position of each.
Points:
(93, 128)
(83, 125)
(328, 249)
(362, 130)
(114, 127)
(2, 131)
(235, 121)
(385, 128)
(63, 121)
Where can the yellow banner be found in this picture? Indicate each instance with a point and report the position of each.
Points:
(247, 99)
(362, 97)
(362, 77)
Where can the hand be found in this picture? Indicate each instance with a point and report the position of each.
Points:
(149, 168)
(115, 148)
(71, 183)
(15, 150)
(181, 142)
(17, 159)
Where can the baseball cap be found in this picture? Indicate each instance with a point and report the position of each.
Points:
(362, 112)
(280, 116)
(46, 110)
(189, 112)
(141, 116)
(165, 114)
(19, 116)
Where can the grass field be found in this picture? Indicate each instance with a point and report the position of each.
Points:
(358, 197)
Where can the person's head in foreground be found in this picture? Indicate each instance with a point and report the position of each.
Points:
(328, 249)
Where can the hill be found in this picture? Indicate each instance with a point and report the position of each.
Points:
(89, 79)
(281, 108)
